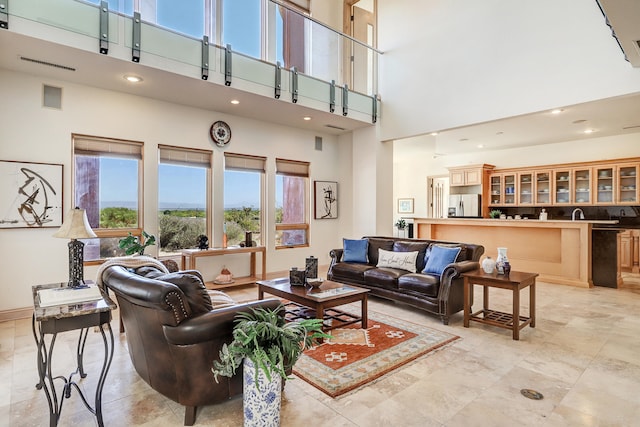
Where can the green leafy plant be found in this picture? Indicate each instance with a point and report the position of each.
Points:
(495, 213)
(401, 224)
(131, 244)
(271, 343)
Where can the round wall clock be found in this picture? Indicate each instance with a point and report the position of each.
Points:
(220, 133)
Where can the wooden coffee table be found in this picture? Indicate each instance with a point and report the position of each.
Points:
(307, 302)
(515, 281)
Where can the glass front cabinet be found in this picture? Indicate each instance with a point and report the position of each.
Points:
(604, 184)
(495, 184)
(561, 187)
(525, 189)
(627, 178)
(509, 192)
(582, 186)
(543, 187)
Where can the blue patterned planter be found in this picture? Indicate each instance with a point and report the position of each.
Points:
(261, 406)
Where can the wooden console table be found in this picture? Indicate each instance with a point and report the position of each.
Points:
(189, 257)
(514, 282)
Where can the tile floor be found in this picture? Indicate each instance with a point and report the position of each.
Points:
(583, 356)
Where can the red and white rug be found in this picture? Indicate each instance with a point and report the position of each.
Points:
(355, 357)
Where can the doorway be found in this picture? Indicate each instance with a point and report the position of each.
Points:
(360, 23)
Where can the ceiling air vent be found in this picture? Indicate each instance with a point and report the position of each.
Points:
(631, 127)
(48, 64)
(335, 127)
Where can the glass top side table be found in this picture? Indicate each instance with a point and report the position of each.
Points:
(50, 321)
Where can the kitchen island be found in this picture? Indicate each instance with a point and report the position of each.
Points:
(558, 250)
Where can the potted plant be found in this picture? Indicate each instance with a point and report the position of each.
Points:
(401, 224)
(268, 347)
(495, 213)
(131, 244)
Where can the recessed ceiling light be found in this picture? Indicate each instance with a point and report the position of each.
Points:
(307, 118)
(557, 111)
(480, 146)
(235, 102)
(132, 78)
(434, 133)
(589, 131)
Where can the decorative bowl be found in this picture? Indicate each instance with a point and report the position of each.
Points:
(315, 282)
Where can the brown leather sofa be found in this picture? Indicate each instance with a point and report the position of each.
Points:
(440, 295)
(174, 333)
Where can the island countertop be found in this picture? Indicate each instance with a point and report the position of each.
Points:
(558, 250)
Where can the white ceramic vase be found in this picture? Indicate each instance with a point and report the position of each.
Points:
(502, 258)
(488, 265)
(261, 404)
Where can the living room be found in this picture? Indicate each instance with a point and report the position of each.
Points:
(461, 47)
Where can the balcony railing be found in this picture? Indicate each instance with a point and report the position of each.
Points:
(325, 61)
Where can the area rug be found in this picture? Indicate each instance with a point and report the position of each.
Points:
(355, 357)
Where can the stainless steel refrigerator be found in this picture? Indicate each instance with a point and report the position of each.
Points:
(465, 205)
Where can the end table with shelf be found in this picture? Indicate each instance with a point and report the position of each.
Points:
(515, 281)
(56, 319)
(190, 256)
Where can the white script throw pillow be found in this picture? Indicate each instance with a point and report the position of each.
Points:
(402, 260)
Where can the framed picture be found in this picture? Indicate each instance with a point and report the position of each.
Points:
(30, 195)
(405, 205)
(325, 199)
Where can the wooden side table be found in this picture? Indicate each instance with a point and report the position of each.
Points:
(70, 317)
(189, 257)
(515, 281)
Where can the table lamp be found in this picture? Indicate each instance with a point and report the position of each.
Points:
(76, 227)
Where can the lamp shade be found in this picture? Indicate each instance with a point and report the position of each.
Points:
(76, 226)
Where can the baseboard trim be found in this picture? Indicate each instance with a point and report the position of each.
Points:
(16, 314)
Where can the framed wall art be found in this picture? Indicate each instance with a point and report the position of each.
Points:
(30, 195)
(326, 199)
(405, 206)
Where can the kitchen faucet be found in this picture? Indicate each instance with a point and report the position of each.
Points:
(573, 214)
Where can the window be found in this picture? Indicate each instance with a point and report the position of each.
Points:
(243, 185)
(292, 202)
(188, 17)
(183, 197)
(124, 6)
(241, 26)
(108, 185)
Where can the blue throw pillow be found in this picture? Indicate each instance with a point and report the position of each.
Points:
(439, 258)
(355, 250)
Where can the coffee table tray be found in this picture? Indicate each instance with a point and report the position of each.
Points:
(332, 319)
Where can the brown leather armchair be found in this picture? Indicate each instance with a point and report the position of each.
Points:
(174, 334)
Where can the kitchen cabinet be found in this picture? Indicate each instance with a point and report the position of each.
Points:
(543, 187)
(469, 175)
(629, 250)
(582, 186)
(495, 189)
(627, 179)
(509, 190)
(604, 185)
(525, 189)
(561, 187)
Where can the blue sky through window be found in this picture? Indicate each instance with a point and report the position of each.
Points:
(178, 186)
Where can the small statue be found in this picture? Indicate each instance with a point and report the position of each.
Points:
(203, 242)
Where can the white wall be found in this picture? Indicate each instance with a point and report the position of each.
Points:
(414, 160)
(32, 133)
(457, 62)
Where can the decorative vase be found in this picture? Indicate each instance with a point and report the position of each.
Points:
(500, 261)
(261, 402)
(507, 268)
(488, 265)
(311, 267)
